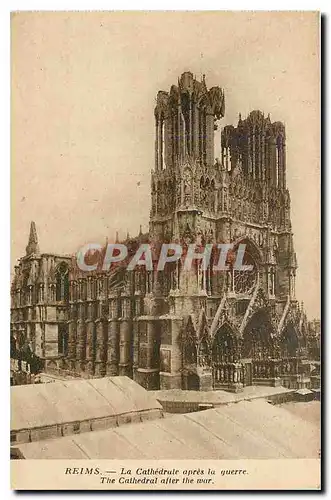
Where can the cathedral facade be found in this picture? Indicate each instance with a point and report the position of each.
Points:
(195, 329)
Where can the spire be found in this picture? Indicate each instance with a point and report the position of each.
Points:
(140, 230)
(116, 238)
(33, 247)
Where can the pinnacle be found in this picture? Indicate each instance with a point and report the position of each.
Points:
(32, 247)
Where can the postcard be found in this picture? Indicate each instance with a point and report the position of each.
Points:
(165, 258)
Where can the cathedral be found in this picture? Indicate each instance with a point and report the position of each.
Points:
(183, 329)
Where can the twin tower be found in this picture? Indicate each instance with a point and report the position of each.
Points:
(247, 182)
(186, 119)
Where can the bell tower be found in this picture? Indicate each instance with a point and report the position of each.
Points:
(185, 123)
(184, 205)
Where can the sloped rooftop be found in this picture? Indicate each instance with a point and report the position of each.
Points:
(247, 429)
(43, 405)
(219, 397)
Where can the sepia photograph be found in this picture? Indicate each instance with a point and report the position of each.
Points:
(165, 315)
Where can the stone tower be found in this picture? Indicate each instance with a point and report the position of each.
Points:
(186, 119)
(39, 302)
(240, 198)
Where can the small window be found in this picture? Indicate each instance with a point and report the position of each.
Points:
(76, 427)
(13, 437)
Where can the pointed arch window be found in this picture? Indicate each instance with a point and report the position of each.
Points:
(163, 164)
(186, 109)
(62, 283)
(41, 293)
(203, 134)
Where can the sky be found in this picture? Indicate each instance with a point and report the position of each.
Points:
(82, 125)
